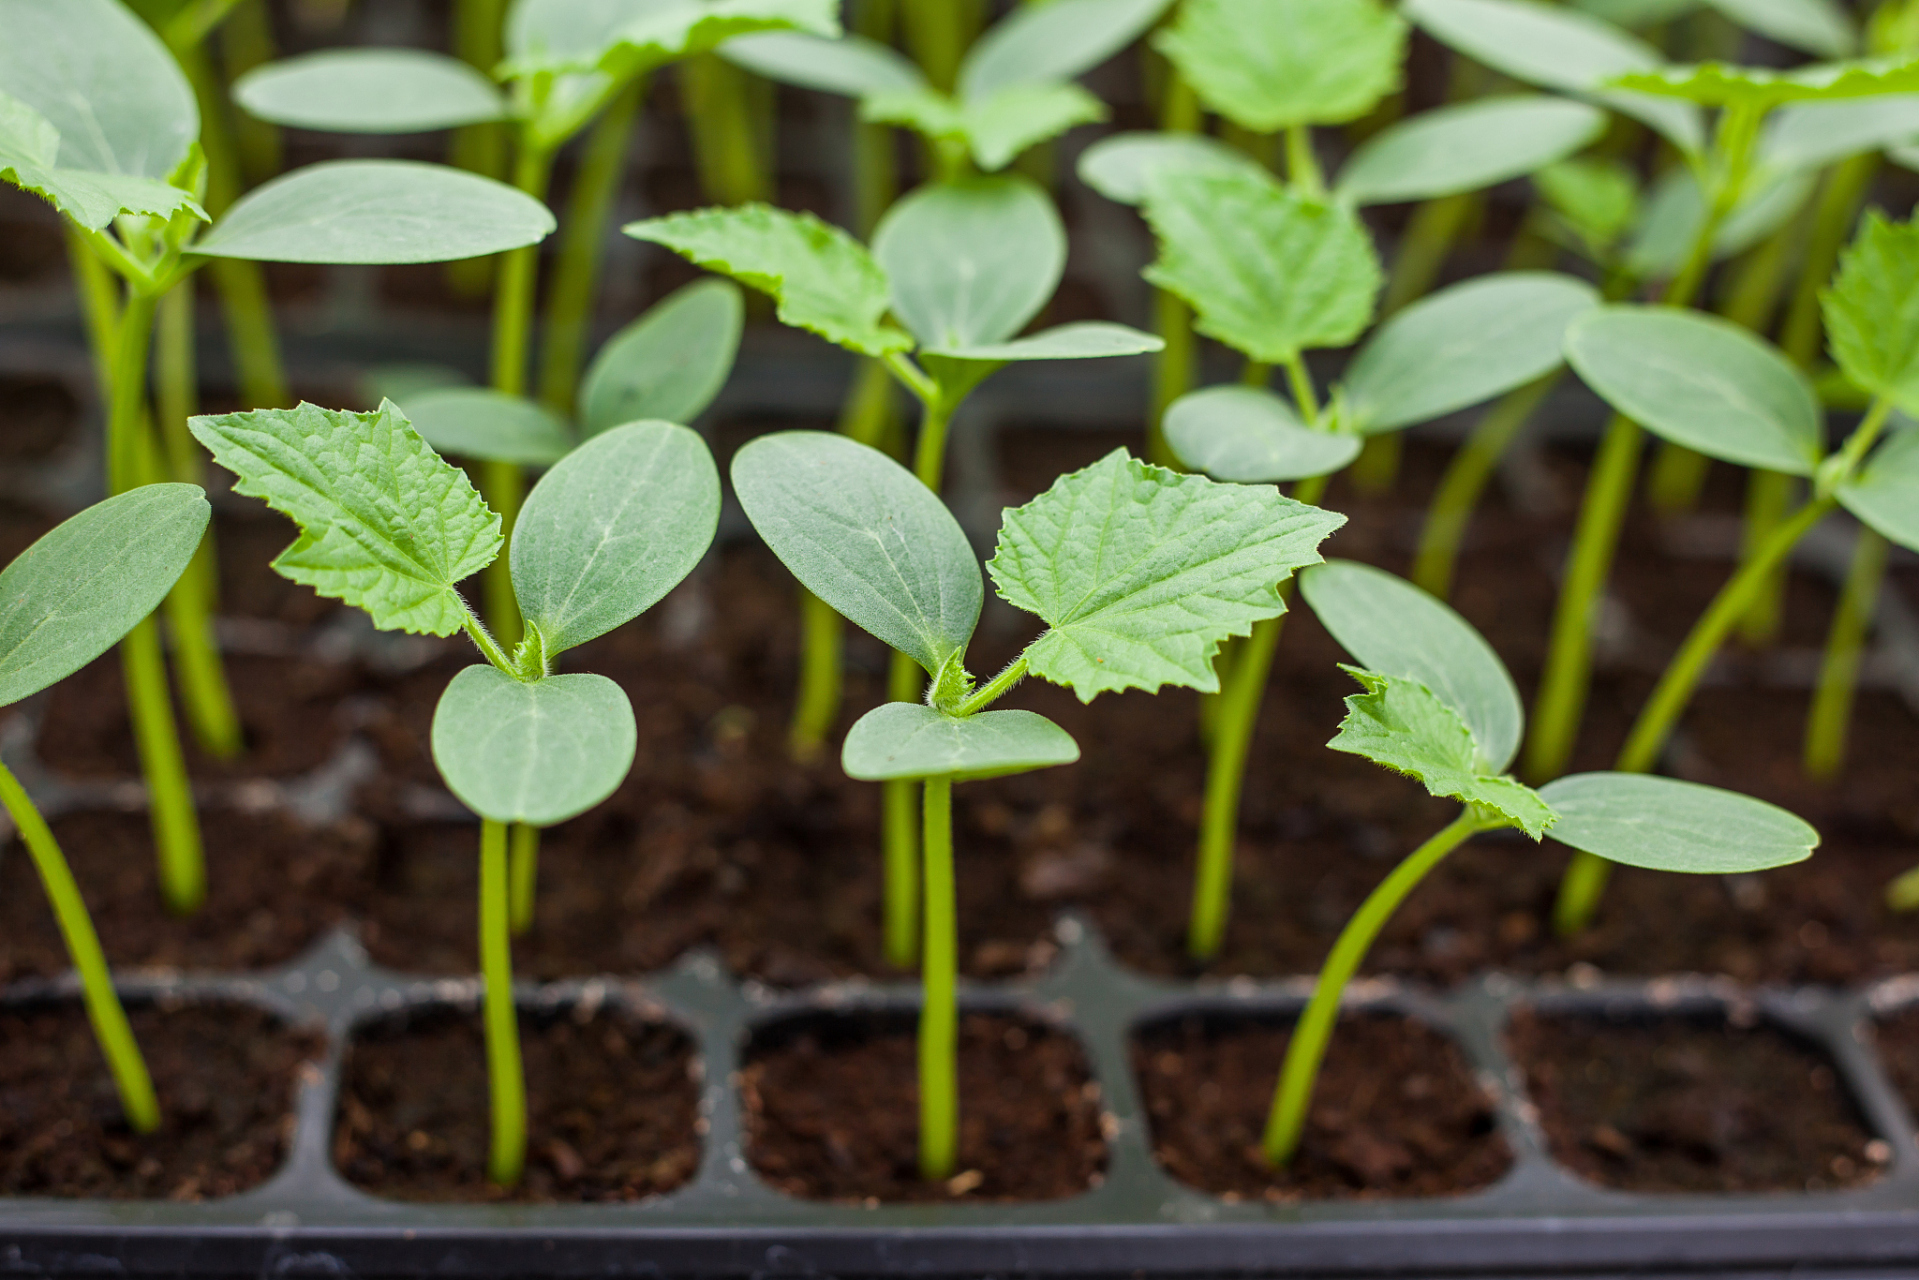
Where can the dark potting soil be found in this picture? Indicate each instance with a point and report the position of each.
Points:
(38, 414)
(612, 1109)
(1396, 1112)
(225, 1077)
(1692, 1105)
(274, 888)
(1897, 1038)
(832, 1111)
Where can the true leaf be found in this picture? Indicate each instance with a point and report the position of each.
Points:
(822, 279)
(994, 129)
(554, 35)
(1394, 629)
(29, 158)
(1817, 27)
(668, 364)
(537, 752)
(971, 262)
(370, 91)
(1270, 271)
(385, 523)
(1719, 84)
(863, 534)
(1462, 345)
(1668, 825)
(1081, 340)
(1810, 135)
(852, 66)
(1702, 382)
(615, 526)
(1267, 64)
(1401, 724)
(1872, 310)
(1885, 494)
(488, 425)
(1120, 167)
(1598, 200)
(1141, 572)
(908, 740)
(663, 33)
(368, 211)
(1250, 436)
(1466, 147)
(1058, 40)
(70, 596)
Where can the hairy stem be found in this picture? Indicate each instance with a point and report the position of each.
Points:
(1465, 480)
(1829, 724)
(506, 1157)
(939, 978)
(524, 870)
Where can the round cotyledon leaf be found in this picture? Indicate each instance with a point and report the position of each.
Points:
(370, 91)
(908, 740)
(668, 364)
(1251, 436)
(478, 422)
(537, 752)
(1123, 166)
(1669, 825)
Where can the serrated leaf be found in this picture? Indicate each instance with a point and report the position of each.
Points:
(370, 91)
(852, 66)
(1392, 627)
(668, 32)
(822, 279)
(611, 529)
(1248, 435)
(537, 752)
(669, 363)
(1081, 340)
(1718, 84)
(1466, 147)
(1141, 572)
(1886, 492)
(1872, 310)
(1597, 199)
(1401, 724)
(487, 425)
(29, 151)
(1267, 64)
(995, 129)
(863, 534)
(76, 591)
(1818, 27)
(1668, 825)
(1269, 271)
(386, 524)
(971, 262)
(1702, 382)
(1810, 135)
(1055, 41)
(1121, 166)
(908, 740)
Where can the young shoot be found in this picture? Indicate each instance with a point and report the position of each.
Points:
(1138, 572)
(389, 526)
(1440, 707)
(64, 601)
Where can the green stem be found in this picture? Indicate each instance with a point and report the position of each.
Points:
(1304, 397)
(1376, 469)
(1429, 238)
(993, 690)
(1302, 164)
(1307, 1048)
(524, 868)
(478, 148)
(1465, 480)
(726, 151)
(929, 455)
(818, 704)
(506, 1158)
(126, 414)
(1172, 371)
(99, 292)
(876, 179)
(246, 42)
(939, 1015)
(899, 835)
(1829, 724)
(176, 827)
(1769, 496)
(938, 33)
(1839, 200)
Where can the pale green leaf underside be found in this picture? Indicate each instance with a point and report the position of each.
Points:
(1120, 167)
(1818, 27)
(30, 159)
(971, 262)
(1055, 41)
(669, 363)
(1872, 310)
(822, 279)
(1668, 825)
(488, 425)
(851, 66)
(1466, 147)
(666, 33)
(386, 524)
(909, 740)
(370, 91)
(1267, 64)
(1811, 135)
(1250, 436)
(1141, 572)
(1719, 84)
(1886, 494)
(538, 752)
(1401, 724)
(70, 596)
(1081, 340)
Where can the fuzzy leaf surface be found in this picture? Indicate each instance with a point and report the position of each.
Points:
(1466, 147)
(1267, 64)
(370, 91)
(852, 66)
(538, 752)
(1872, 310)
(908, 740)
(1668, 825)
(971, 262)
(1141, 572)
(669, 363)
(1121, 166)
(488, 425)
(386, 524)
(1886, 492)
(1248, 435)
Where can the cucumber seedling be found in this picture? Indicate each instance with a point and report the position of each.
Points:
(64, 601)
(1439, 706)
(1138, 572)
(389, 526)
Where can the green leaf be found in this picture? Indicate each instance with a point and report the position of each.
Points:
(907, 740)
(1637, 14)
(70, 596)
(1675, 211)
(1872, 310)
(1081, 340)
(1818, 27)
(971, 262)
(852, 66)
(370, 91)
(1463, 345)
(29, 151)
(863, 534)
(1393, 628)
(1271, 272)
(668, 364)
(1466, 147)
(823, 280)
(994, 129)
(488, 425)
(1668, 825)
(1811, 135)
(1401, 724)
(537, 752)
(1055, 41)
(1248, 435)
(664, 33)
(1121, 166)
(1717, 84)
(1598, 200)
(1701, 382)
(615, 526)
(385, 523)
(1886, 492)
(1267, 64)
(1141, 572)
(555, 35)
(376, 211)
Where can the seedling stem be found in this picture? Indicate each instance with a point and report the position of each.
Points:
(1826, 728)
(507, 1157)
(939, 1016)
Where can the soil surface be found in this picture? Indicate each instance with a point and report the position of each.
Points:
(612, 1109)
(225, 1076)
(1396, 1113)
(1687, 1105)
(832, 1111)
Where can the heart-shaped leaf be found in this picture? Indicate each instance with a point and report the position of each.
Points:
(1083, 340)
(1872, 310)
(971, 262)
(1886, 492)
(1047, 43)
(537, 752)
(1250, 436)
(1466, 147)
(668, 364)
(1267, 64)
(370, 91)
(852, 66)
(1120, 167)
(488, 425)
(907, 740)
(1669, 825)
